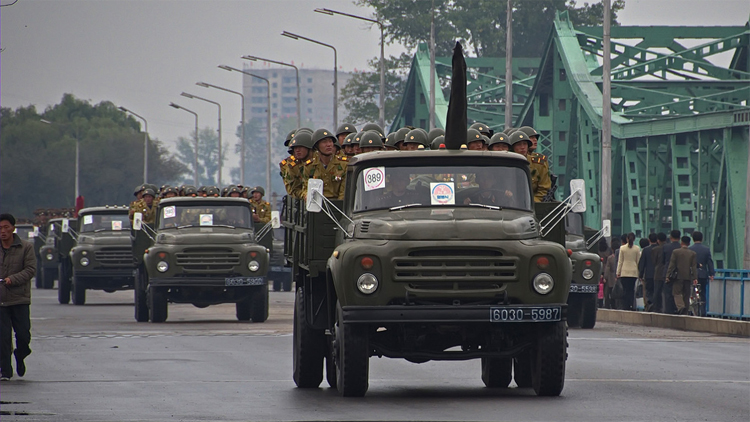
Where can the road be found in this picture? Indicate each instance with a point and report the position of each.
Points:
(95, 363)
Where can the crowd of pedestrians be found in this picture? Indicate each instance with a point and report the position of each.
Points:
(661, 269)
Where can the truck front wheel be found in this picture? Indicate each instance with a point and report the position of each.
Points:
(260, 304)
(157, 303)
(588, 317)
(48, 281)
(141, 297)
(548, 360)
(352, 357)
(79, 291)
(496, 372)
(309, 347)
(63, 289)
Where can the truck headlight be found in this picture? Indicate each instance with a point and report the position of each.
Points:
(367, 283)
(543, 283)
(84, 262)
(49, 257)
(587, 274)
(162, 266)
(253, 266)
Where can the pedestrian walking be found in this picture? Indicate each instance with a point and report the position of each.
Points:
(705, 269)
(17, 267)
(673, 245)
(610, 275)
(657, 255)
(682, 273)
(627, 271)
(646, 269)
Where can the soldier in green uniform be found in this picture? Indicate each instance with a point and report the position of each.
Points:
(371, 141)
(390, 142)
(534, 138)
(138, 193)
(540, 181)
(343, 131)
(148, 206)
(475, 140)
(326, 166)
(302, 151)
(414, 139)
(261, 209)
(234, 192)
(499, 142)
(481, 128)
(348, 145)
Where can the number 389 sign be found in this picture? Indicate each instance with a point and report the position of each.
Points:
(374, 178)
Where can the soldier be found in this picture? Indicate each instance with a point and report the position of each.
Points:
(435, 144)
(356, 150)
(169, 192)
(343, 131)
(138, 196)
(533, 136)
(371, 141)
(400, 137)
(499, 142)
(434, 133)
(190, 191)
(683, 265)
(414, 139)
(375, 127)
(234, 192)
(482, 128)
(212, 192)
(325, 166)
(302, 151)
(475, 140)
(390, 142)
(261, 209)
(246, 192)
(508, 131)
(148, 206)
(540, 181)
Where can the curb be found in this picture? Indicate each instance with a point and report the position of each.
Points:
(726, 327)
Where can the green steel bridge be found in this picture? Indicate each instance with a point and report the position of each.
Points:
(680, 121)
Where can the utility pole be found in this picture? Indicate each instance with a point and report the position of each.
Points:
(509, 66)
(606, 165)
(432, 66)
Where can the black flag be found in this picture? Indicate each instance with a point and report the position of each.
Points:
(455, 126)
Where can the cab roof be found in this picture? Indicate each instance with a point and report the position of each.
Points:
(107, 209)
(440, 157)
(198, 200)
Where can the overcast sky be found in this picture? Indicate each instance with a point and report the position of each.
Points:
(141, 54)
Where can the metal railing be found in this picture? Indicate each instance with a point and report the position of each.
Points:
(728, 295)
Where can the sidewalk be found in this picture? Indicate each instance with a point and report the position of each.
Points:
(679, 322)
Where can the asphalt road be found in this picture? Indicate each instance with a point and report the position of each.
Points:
(95, 363)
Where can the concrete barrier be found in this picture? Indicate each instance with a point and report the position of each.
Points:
(677, 322)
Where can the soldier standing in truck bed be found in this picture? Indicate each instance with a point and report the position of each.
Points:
(539, 169)
(326, 166)
(301, 148)
(261, 209)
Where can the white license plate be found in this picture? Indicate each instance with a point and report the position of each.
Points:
(584, 288)
(244, 281)
(532, 314)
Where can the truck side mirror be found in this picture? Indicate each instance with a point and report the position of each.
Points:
(275, 219)
(137, 221)
(314, 195)
(65, 225)
(606, 228)
(578, 190)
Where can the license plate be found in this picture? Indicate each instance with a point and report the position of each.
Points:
(244, 281)
(533, 314)
(584, 288)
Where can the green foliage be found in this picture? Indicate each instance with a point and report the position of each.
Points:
(37, 166)
(208, 153)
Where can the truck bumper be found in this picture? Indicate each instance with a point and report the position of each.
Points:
(451, 314)
(187, 282)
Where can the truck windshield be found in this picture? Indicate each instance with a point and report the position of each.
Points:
(202, 215)
(574, 224)
(104, 222)
(24, 232)
(435, 186)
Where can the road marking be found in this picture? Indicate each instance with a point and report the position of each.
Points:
(656, 381)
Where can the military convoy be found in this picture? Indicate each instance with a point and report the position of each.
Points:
(435, 256)
(587, 268)
(202, 251)
(50, 252)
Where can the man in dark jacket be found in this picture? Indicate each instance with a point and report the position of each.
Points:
(17, 267)
(673, 245)
(705, 268)
(657, 256)
(683, 264)
(646, 272)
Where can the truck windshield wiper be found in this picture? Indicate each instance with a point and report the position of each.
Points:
(400, 207)
(186, 226)
(489, 207)
(213, 225)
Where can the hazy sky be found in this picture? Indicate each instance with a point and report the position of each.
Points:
(141, 54)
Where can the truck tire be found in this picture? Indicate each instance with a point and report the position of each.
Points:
(352, 358)
(157, 304)
(276, 283)
(330, 364)
(522, 370)
(141, 297)
(548, 360)
(308, 347)
(260, 305)
(63, 292)
(79, 292)
(49, 279)
(574, 310)
(39, 277)
(496, 372)
(287, 283)
(588, 312)
(244, 309)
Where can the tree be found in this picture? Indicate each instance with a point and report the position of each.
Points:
(208, 153)
(37, 166)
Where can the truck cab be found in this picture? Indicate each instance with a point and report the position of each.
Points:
(49, 253)
(587, 268)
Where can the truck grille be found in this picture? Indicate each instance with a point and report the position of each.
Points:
(205, 260)
(455, 265)
(118, 256)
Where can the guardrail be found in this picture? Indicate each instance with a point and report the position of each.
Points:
(728, 295)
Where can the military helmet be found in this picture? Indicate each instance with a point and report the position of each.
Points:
(171, 189)
(233, 189)
(152, 187)
(529, 131)
(302, 139)
(321, 134)
(289, 137)
(246, 189)
(202, 189)
(435, 144)
(374, 126)
(486, 139)
(149, 191)
(473, 135)
(418, 136)
(519, 136)
(434, 133)
(508, 130)
(401, 135)
(371, 139)
(390, 140)
(224, 191)
(357, 137)
(346, 128)
(258, 189)
(481, 127)
(499, 138)
(138, 188)
(349, 138)
(189, 190)
(213, 191)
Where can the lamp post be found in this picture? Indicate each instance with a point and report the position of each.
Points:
(335, 73)
(268, 122)
(78, 155)
(195, 161)
(382, 56)
(296, 70)
(145, 142)
(242, 126)
(191, 96)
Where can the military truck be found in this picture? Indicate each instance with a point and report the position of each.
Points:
(101, 257)
(49, 253)
(435, 255)
(279, 272)
(587, 268)
(26, 231)
(201, 251)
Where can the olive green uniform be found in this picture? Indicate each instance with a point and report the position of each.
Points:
(149, 214)
(290, 172)
(540, 180)
(333, 176)
(262, 209)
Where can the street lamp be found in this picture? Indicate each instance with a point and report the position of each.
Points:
(195, 97)
(78, 155)
(145, 143)
(242, 126)
(268, 122)
(335, 73)
(195, 162)
(296, 70)
(382, 55)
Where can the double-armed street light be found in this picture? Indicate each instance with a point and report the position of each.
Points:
(330, 12)
(268, 122)
(145, 142)
(335, 73)
(191, 96)
(195, 161)
(242, 126)
(296, 70)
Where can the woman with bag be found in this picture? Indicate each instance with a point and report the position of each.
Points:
(627, 271)
(610, 275)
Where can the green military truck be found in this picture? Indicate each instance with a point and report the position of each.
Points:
(436, 255)
(201, 251)
(101, 256)
(587, 268)
(49, 252)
